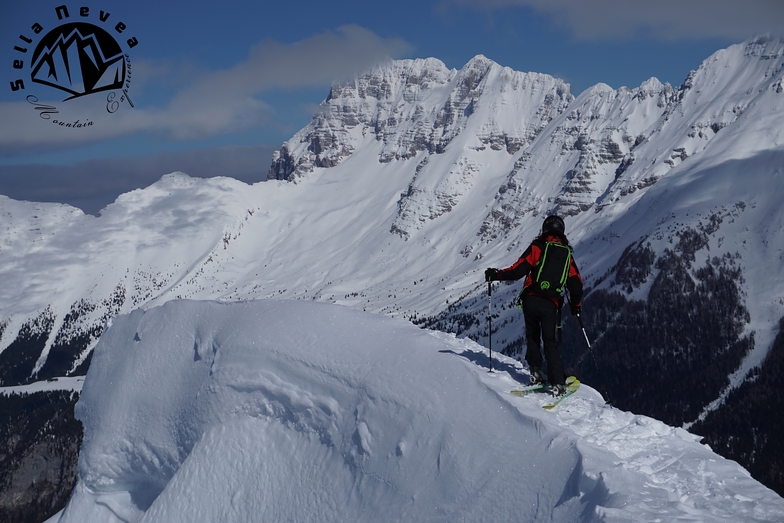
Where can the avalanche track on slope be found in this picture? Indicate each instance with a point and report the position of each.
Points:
(278, 410)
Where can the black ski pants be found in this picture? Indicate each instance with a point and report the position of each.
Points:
(541, 318)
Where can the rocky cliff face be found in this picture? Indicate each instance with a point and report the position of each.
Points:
(419, 106)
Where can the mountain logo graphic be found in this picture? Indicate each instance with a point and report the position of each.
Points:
(80, 59)
(86, 51)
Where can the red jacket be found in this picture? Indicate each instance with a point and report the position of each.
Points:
(530, 259)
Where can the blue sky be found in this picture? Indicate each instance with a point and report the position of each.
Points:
(216, 87)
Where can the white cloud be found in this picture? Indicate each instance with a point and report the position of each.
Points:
(215, 102)
(93, 184)
(663, 19)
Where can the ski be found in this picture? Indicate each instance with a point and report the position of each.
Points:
(572, 384)
(527, 390)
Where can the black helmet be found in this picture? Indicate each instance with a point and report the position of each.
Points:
(553, 223)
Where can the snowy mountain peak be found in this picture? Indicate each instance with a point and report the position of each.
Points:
(765, 47)
(414, 106)
(651, 85)
(755, 63)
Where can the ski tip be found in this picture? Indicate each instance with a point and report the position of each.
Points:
(551, 406)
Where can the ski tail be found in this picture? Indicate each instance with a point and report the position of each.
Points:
(527, 390)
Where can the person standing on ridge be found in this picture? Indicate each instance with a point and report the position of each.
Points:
(548, 267)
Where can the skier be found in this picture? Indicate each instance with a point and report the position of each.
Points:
(547, 266)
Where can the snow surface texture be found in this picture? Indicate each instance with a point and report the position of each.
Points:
(278, 410)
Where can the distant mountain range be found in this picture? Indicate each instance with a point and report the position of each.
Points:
(413, 178)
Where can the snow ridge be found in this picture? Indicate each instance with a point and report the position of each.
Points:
(201, 410)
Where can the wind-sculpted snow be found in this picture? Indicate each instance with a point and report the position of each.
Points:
(294, 411)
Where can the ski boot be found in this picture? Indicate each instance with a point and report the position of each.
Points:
(559, 389)
(537, 376)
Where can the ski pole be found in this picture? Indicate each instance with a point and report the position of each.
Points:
(490, 321)
(593, 358)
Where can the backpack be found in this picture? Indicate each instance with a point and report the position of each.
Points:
(550, 274)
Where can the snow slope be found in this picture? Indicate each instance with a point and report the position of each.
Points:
(278, 410)
(73, 383)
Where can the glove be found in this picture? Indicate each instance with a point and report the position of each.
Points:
(491, 274)
(575, 309)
